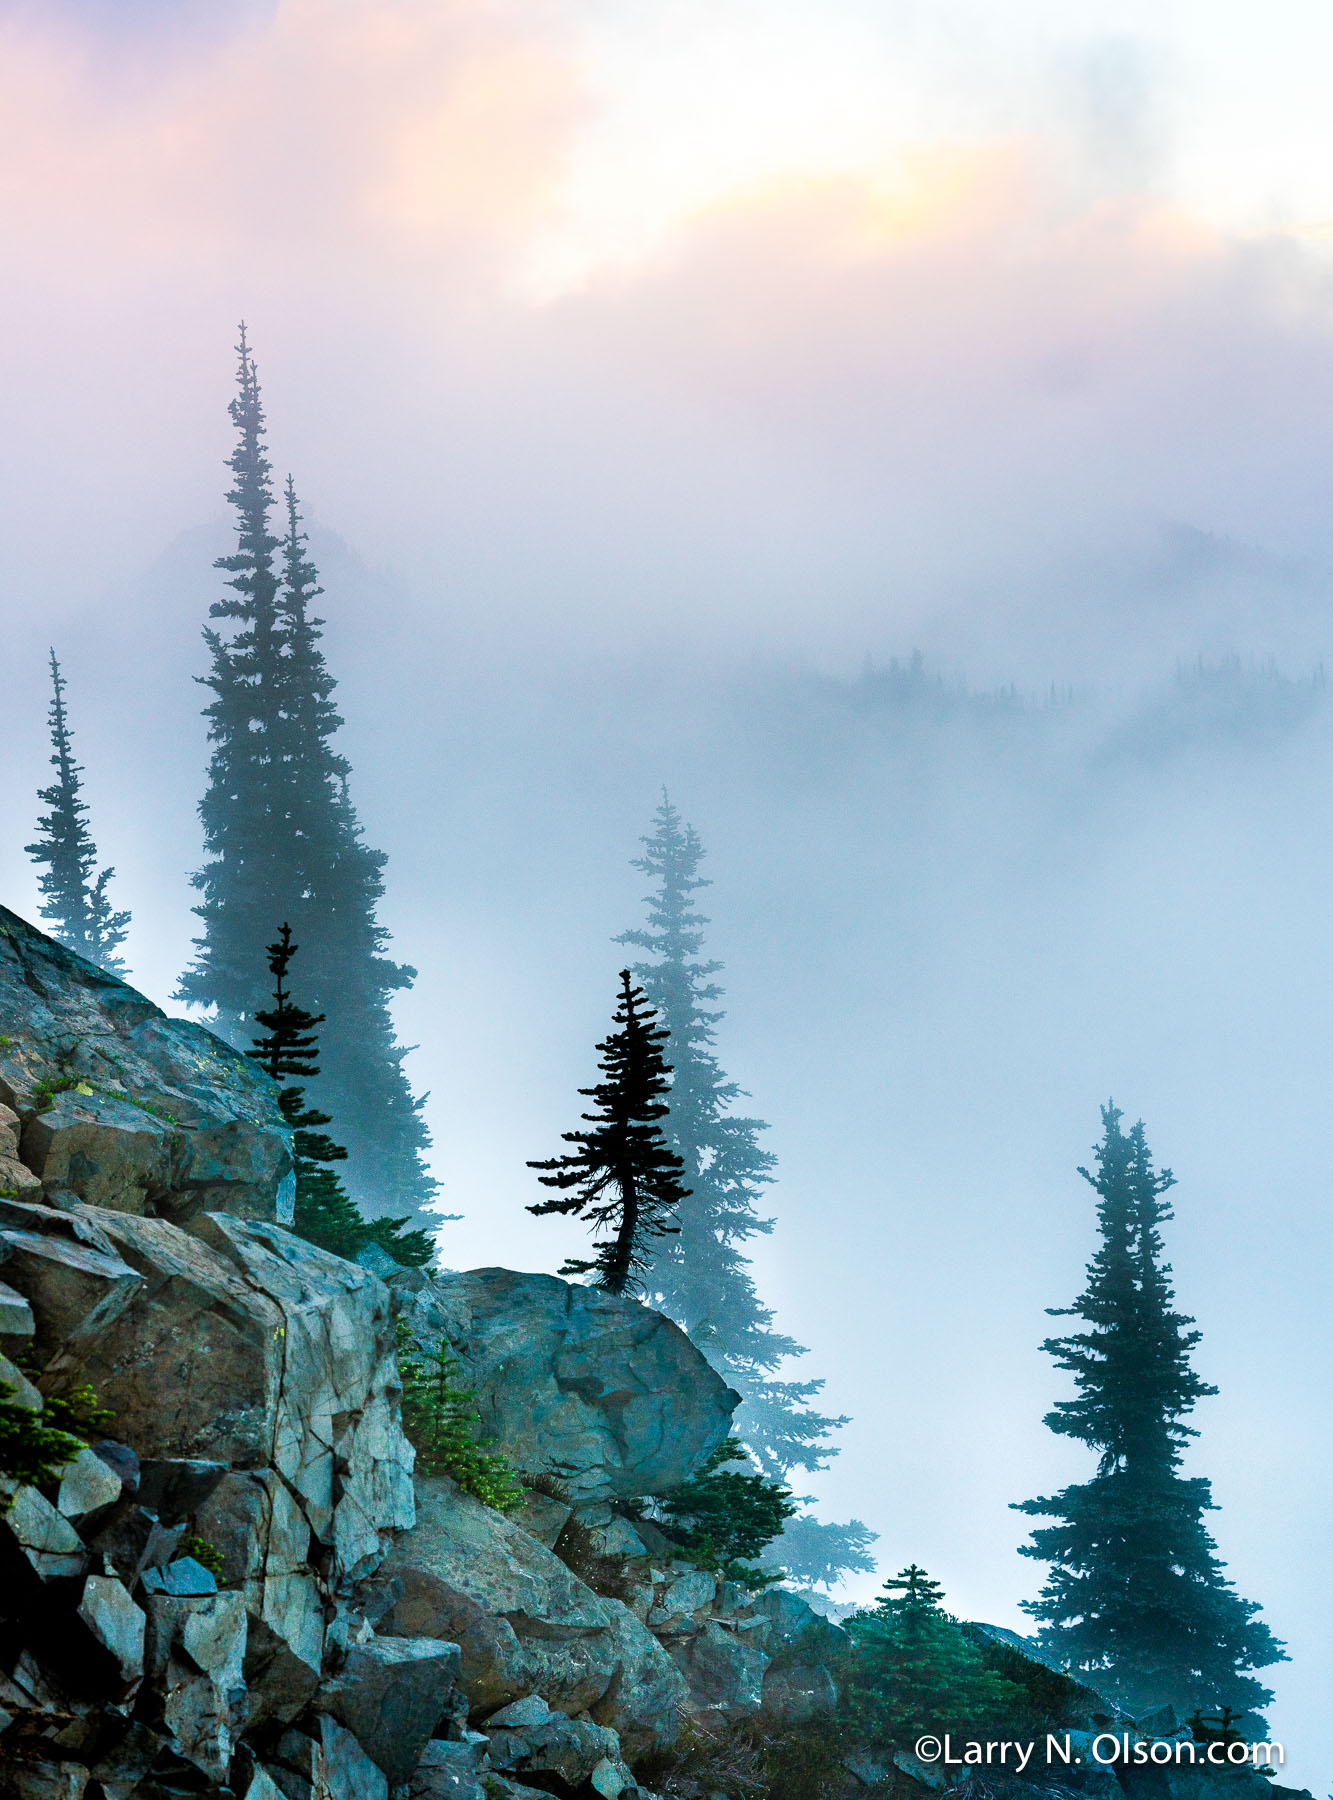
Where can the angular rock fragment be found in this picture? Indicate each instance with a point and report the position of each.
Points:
(132, 1539)
(569, 1749)
(195, 1654)
(176, 1487)
(17, 1324)
(330, 1765)
(35, 1538)
(122, 1460)
(43, 1781)
(184, 1577)
(193, 1368)
(115, 1623)
(336, 1442)
(21, 1391)
(724, 1672)
(75, 1283)
(87, 1485)
(525, 1624)
(392, 1694)
(120, 1765)
(448, 1771)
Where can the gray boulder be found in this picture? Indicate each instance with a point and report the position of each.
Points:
(392, 1694)
(724, 1669)
(604, 1394)
(569, 1749)
(124, 1107)
(328, 1765)
(525, 1624)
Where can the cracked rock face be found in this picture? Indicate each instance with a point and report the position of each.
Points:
(105, 1098)
(600, 1392)
(525, 1624)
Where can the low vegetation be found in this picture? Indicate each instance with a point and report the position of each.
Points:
(440, 1418)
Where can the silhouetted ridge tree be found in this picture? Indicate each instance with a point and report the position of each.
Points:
(624, 1176)
(325, 1213)
(74, 899)
(701, 1277)
(283, 838)
(1136, 1601)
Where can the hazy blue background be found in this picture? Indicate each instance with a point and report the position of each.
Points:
(651, 389)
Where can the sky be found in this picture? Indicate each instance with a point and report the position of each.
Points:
(649, 375)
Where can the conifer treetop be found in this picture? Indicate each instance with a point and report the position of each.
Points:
(74, 899)
(625, 1178)
(283, 839)
(1136, 1601)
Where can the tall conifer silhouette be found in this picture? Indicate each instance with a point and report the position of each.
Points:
(284, 841)
(1136, 1600)
(75, 900)
(702, 1278)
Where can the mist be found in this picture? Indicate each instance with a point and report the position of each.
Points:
(949, 537)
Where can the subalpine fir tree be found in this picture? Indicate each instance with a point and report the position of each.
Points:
(284, 841)
(325, 1213)
(624, 1176)
(1136, 1602)
(74, 899)
(701, 1278)
(912, 1669)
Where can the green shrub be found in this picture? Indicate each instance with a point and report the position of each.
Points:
(33, 1450)
(722, 1519)
(440, 1418)
(207, 1555)
(36, 1446)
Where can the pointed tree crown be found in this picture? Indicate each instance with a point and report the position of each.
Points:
(74, 899)
(625, 1177)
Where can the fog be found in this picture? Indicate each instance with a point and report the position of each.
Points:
(593, 522)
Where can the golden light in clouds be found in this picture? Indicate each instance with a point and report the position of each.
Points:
(381, 126)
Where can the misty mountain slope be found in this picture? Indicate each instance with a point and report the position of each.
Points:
(953, 921)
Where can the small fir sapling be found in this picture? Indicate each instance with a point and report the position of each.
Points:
(912, 1669)
(440, 1418)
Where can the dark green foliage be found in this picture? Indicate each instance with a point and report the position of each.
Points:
(206, 1554)
(325, 1213)
(1136, 1601)
(33, 1450)
(701, 1277)
(440, 1418)
(74, 899)
(724, 1519)
(624, 1176)
(78, 1410)
(914, 1669)
(283, 838)
(36, 1446)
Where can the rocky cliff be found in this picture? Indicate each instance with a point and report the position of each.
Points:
(236, 1586)
(220, 1573)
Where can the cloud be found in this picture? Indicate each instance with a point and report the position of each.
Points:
(327, 129)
